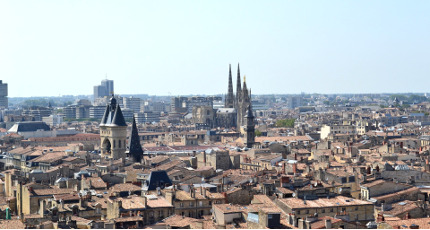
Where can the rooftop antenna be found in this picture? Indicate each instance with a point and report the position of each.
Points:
(106, 76)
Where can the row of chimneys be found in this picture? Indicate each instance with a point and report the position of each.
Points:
(292, 220)
(193, 191)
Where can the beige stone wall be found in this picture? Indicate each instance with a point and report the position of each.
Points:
(117, 136)
(358, 212)
(112, 211)
(8, 184)
(241, 196)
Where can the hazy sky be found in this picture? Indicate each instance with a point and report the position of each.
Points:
(51, 48)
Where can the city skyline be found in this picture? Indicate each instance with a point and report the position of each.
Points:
(56, 48)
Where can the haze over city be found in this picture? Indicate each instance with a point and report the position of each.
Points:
(51, 48)
(214, 114)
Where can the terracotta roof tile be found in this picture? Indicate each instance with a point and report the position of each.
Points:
(323, 202)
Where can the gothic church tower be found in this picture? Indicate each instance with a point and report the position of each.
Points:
(113, 132)
(241, 101)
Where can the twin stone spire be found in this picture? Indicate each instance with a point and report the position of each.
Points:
(241, 100)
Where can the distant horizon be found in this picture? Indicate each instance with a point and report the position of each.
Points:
(208, 95)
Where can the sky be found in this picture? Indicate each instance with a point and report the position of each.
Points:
(56, 47)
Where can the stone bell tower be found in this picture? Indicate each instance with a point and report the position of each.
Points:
(113, 132)
(249, 128)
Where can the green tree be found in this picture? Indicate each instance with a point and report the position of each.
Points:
(258, 133)
(288, 123)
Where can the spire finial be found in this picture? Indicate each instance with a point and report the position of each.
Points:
(244, 78)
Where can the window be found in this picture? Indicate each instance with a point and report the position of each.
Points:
(181, 205)
(298, 212)
(119, 144)
(114, 143)
(307, 211)
(191, 204)
(75, 210)
(356, 208)
(331, 210)
(200, 203)
(323, 210)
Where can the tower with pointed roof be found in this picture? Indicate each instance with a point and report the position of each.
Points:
(113, 132)
(242, 104)
(135, 149)
(238, 86)
(249, 128)
(229, 100)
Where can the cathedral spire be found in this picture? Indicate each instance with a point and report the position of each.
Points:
(245, 95)
(238, 85)
(229, 100)
(135, 149)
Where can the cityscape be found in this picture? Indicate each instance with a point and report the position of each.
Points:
(196, 115)
(233, 160)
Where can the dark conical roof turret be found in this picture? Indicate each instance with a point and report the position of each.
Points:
(118, 118)
(135, 149)
(113, 115)
(105, 115)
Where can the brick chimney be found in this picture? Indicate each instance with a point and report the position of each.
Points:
(83, 200)
(192, 191)
(408, 216)
(327, 223)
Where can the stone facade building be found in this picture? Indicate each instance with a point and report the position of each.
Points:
(196, 203)
(219, 159)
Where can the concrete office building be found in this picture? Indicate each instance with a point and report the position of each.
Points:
(3, 95)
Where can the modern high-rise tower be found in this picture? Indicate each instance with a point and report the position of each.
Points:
(3, 95)
(105, 89)
(108, 84)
